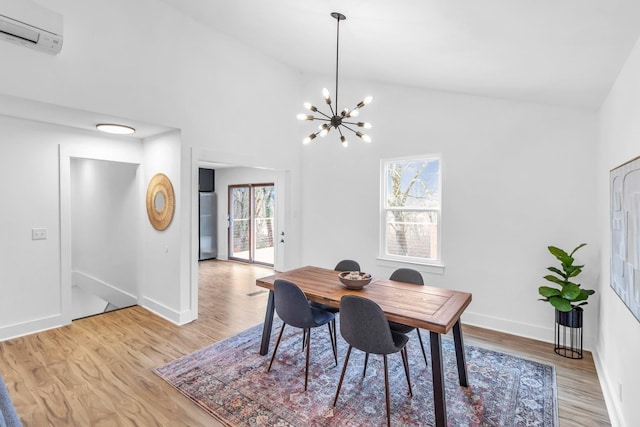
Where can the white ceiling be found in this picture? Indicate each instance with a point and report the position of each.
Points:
(81, 119)
(564, 52)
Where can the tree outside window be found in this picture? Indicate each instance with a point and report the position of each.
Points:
(411, 209)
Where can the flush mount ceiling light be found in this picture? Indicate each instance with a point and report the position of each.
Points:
(338, 119)
(114, 128)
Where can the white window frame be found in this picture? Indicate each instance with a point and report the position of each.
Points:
(429, 265)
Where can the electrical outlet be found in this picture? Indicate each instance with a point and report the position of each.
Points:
(38, 234)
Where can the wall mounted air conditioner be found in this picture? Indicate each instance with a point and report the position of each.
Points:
(31, 25)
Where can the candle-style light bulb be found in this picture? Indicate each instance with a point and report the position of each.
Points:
(309, 138)
(365, 101)
(365, 138)
(327, 96)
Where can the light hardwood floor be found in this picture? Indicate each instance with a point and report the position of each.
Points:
(98, 370)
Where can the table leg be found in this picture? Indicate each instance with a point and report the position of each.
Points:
(268, 323)
(439, 401)
(462, 364)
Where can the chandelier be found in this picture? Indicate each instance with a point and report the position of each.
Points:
(337, 119)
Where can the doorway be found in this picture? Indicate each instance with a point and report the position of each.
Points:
(251, 213)
(104, 235)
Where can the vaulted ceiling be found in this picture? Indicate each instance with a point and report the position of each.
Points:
(562, 52)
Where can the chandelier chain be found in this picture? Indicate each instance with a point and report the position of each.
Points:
(337, 59)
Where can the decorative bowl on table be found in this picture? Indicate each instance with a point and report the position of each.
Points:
(354, 279)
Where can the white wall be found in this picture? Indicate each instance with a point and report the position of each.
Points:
(29, 270)
(618, 348)
(144, 61)
(163, 273)
(517, 177)
(36, 157)
(139, 60)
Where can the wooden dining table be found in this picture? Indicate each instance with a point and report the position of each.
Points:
(431, 308)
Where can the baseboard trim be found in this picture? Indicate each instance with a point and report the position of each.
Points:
(609, 393)
(178, 317)
(104, 290)
(525, 330)
(32, 326)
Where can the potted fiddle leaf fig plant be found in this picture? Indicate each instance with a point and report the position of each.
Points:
(566, 297)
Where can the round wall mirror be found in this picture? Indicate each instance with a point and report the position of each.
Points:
(160, 201)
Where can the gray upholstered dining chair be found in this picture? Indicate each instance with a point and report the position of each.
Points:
(344, 265)
(293, 308)
(364, 326)
(410, 276)
(347, 265)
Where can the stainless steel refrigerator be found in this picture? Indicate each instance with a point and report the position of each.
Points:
(208, 225)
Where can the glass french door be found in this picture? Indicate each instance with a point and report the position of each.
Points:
(251, 222)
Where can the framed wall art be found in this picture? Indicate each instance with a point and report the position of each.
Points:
(624, 182)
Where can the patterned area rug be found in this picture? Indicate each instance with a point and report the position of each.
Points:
(229, 379)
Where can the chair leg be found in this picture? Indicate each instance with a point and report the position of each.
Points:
(422, 347)
(405, 362)
(344, 369)
(386, 390)
(334, 344)
(366, 360)
(335, 334)
(306, 369)
(277, 344)
(304, 338)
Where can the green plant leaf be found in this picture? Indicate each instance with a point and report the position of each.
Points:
(546, 291)
(570, 291)
(561, 255)
(577, 247)
(566, 261)
(584, 294)
(557, 252)
(554, 279)
(561, 304)
(573, 270)
(576, 272)
(557, 271)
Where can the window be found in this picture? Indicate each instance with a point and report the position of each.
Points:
(410, 215)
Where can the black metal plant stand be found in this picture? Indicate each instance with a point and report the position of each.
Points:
(568, 342)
